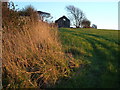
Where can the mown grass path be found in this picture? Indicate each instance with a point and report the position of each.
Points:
(99, 50)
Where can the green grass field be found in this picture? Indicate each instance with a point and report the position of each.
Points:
(98, 50)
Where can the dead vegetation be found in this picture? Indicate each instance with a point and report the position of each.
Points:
(32, 53)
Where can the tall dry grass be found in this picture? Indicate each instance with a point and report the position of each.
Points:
(32, 53)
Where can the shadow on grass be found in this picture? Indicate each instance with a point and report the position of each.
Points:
(74, 51)
(97, 74)
(102, 37)
(93, 41)
(97, 36)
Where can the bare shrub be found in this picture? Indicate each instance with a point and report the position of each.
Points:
(29, 11)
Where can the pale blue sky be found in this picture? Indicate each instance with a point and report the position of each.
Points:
(103, 14)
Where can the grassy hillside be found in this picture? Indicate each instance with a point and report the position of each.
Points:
(98, 49)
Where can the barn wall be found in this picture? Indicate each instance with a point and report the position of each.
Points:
(62, 23)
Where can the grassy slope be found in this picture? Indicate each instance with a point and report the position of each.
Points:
(97, 48)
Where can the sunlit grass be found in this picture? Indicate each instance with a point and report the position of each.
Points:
(99, 50)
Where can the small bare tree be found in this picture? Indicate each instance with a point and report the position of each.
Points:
(76, 15)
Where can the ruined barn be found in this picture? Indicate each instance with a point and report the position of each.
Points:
(63, 22)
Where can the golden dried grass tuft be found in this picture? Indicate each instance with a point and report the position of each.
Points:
(32, 53)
